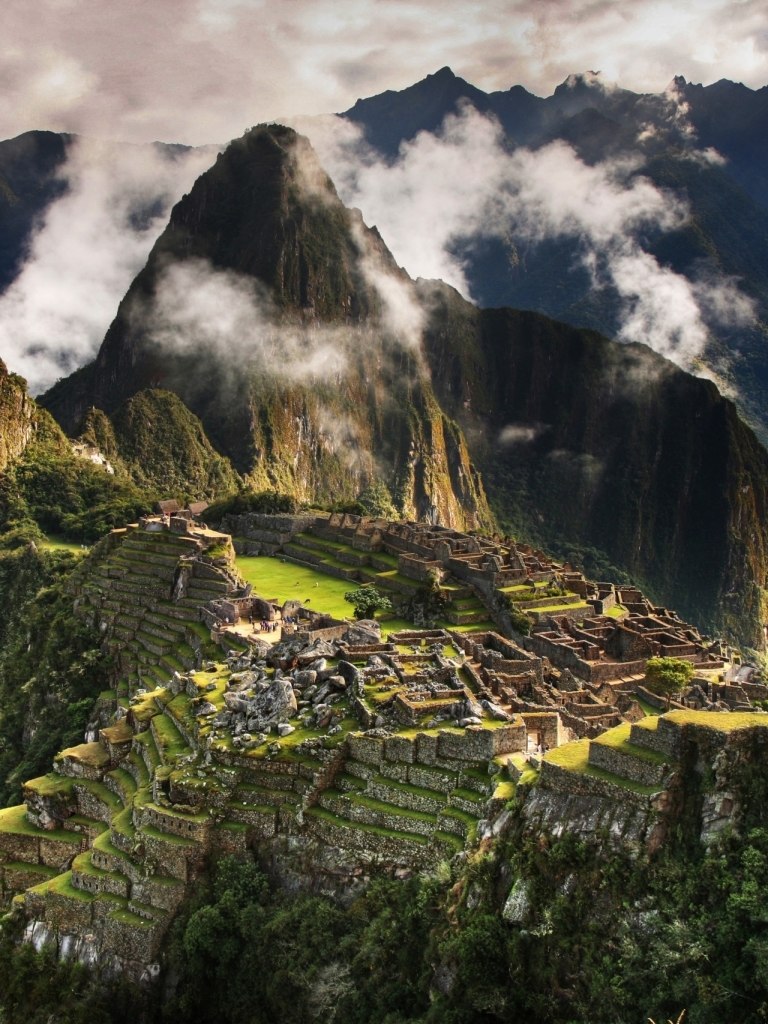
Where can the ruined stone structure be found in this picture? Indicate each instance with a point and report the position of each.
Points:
(393, 753)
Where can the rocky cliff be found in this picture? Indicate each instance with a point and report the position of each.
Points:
(583, 442)
(17, 416)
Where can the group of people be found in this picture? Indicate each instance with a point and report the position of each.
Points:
(268, 627)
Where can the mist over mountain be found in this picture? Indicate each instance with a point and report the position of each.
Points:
(702, 149)
(78, 217)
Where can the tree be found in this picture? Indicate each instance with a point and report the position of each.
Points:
(666, 676)
(367, 601)
(518, 619)
(377, 501)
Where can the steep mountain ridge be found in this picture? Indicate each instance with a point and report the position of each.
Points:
(268, 214)
(584, 443)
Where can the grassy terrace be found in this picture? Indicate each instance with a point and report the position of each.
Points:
(171, 741)
(62, 886)
(574, 758)
(618, 738)
(273, 578)
(14, 819)
(573, 609)
(332, 819)
(723, 722)
(649, 709)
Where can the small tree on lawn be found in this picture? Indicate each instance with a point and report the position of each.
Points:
(367, 601)
(666, 676)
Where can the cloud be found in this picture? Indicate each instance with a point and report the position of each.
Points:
(463, 183)
(199, 71)
(85, 252)
(198, 309)
(520, 433)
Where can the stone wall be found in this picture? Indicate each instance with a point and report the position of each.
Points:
(665, 739)
(646, 773)
(372, 846)
(562, 657)
(266, 529)
(553, 776)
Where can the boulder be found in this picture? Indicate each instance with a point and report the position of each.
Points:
(517, 903)
(234, 702)
(205, 708)
(496, 712)
(273, 705)
(364, 631)
(347, 671)
(306, 678)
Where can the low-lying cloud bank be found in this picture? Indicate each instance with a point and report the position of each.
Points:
(85, 252)
(464, 183)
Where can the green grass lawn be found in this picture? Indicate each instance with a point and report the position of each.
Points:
(53, 542)
(273, 578)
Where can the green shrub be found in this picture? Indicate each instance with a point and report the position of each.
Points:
(263, 502)
(367, 601)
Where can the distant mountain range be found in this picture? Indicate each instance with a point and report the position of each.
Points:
(725, 235)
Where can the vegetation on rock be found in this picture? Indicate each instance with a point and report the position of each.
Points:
(161, 446)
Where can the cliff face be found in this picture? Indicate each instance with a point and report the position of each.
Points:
(19, 417)
(587, 442)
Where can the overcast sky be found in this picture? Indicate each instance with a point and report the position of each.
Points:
(199, 71)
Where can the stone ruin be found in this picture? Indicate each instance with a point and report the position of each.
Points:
(334, 744)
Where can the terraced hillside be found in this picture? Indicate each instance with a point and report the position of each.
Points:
(332, 747)
(463, 610)
(178, 761)
(145, 590)
(620, 783)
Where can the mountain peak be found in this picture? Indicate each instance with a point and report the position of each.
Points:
(444, 73)
(581, 81)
